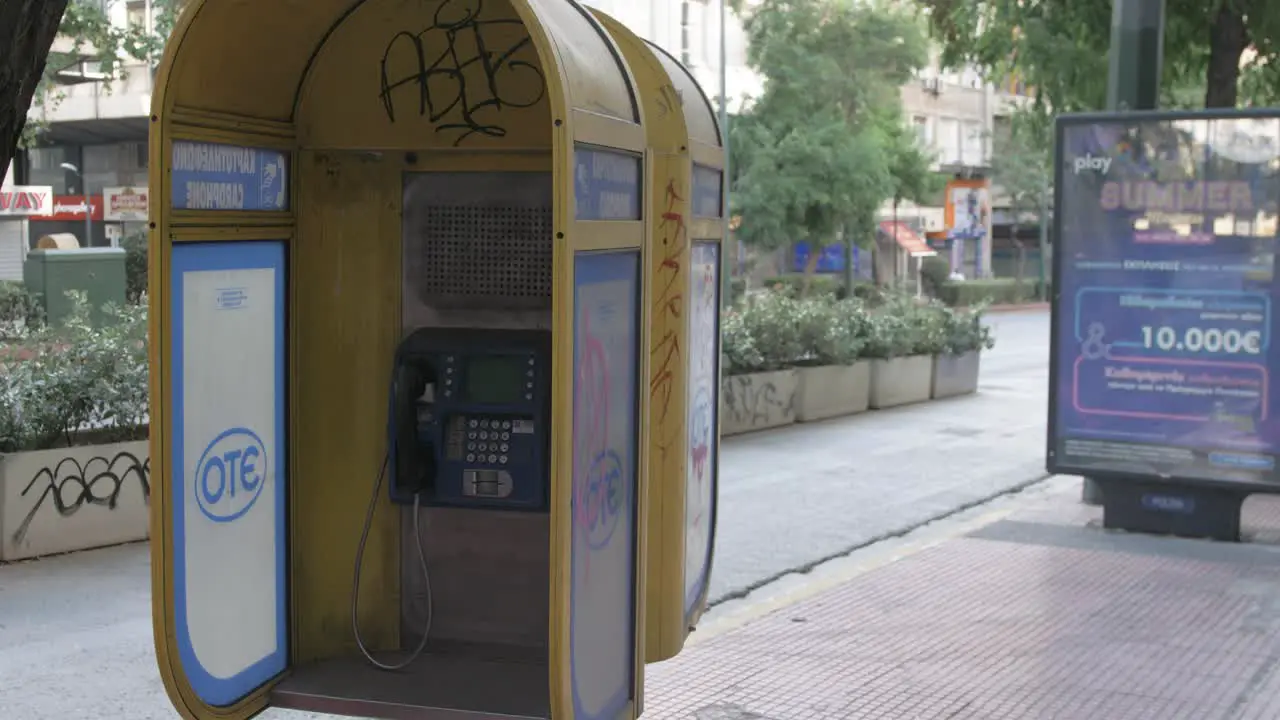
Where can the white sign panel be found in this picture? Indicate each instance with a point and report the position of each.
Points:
(122, 204)
(704, 332)
(228, 463)
(602, 604)
(26, 201)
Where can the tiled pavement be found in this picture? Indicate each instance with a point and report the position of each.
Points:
(1038, 615)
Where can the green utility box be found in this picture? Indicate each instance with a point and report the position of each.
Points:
(98, 272)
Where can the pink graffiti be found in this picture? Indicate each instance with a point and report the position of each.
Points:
(591, 429)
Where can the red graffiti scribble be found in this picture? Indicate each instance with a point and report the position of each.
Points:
(669, 306)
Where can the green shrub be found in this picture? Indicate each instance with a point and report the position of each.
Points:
(737, 288)
(772, 330)
(934, 272)
(135, 267)
(20, 310)
(56, 382)
(793, 285)
(741, 355)
(869, 293)
(903, 326)
(832, 332)
(1000, 291)
(770, 318)
(965, 332)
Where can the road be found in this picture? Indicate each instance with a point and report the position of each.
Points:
(75, 631)
(797, 496)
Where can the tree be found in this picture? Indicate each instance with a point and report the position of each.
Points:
(27, 30)
(1059, 47)
(1022, 168)
(814, 154)
(910, 174)
(42, 40)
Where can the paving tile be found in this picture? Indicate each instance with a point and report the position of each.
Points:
(987, 630)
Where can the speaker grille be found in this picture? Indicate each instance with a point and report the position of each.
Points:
(486, 252)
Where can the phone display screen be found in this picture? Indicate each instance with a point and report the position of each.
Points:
(495, 379)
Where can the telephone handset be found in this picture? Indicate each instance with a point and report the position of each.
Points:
(470, 418)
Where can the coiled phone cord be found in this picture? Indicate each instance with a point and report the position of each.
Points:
(422, 557)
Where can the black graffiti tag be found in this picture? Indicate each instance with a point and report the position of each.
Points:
(70, 486)
(462, 86)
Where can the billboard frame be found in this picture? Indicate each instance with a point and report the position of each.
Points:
(1159, 504)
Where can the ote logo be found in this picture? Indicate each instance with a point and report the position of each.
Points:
(230, 474)
(1089, 161)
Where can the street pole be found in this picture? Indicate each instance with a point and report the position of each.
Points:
(1045, 197)
(1137, 55)
(726, 270)
(1133, 83)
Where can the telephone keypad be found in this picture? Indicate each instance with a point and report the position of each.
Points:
(491, 441)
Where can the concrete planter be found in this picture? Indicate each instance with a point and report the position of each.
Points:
(901, 381)
(757, 401)
(832, 391)
(955, 374)
(67, 499)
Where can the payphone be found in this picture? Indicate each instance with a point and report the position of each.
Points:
(467, 426)
(469, 407)
(469, 418)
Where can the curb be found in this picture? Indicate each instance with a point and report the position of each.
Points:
(1028, 307)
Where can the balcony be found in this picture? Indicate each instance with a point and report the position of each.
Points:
(93, 111)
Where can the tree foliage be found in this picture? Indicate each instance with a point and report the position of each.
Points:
(27, 30)
(1021, 166)
(824, 147)
(88, 35)
(1022, 169)
(32, 71)
(1059, 47)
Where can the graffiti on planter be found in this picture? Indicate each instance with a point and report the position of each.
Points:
(752, 401)
(70, 486)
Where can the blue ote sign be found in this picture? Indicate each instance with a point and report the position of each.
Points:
(207, 176)
(230, 474)
(606, 185)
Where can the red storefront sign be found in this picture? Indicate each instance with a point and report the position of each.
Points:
(70, 208)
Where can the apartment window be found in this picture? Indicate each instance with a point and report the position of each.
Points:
(136, 13)
(949, 141)
(44, 167)
(971, 144)
(921, 125)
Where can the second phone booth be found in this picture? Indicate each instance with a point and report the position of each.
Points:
(400, 286)
(685, 184)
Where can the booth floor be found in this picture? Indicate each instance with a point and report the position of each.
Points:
(345, 686)
(1038, 614)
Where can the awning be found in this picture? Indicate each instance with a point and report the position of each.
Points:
(907, 239)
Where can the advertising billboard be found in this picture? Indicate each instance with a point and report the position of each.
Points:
(124, 204)
(1164, 277)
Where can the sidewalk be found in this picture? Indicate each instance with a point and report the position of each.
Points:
(1032, 613)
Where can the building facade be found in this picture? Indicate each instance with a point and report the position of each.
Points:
(95, 152)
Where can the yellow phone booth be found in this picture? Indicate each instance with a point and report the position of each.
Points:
(685, 184)
(403, 268)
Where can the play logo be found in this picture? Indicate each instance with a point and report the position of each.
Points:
(1092, 163)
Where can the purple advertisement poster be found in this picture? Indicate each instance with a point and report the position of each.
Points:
(1164, 278)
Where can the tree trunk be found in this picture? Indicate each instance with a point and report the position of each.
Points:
(27, 30)
(1020, 268)
(1228, 38)
(810, 267)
